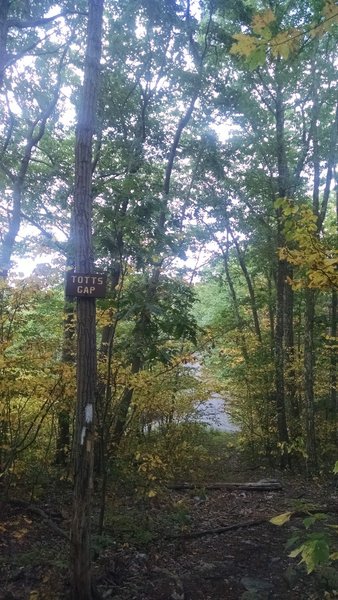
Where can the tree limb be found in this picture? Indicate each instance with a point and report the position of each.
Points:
(216, 531)
(41, 513)
(260, 486)
(40, 22)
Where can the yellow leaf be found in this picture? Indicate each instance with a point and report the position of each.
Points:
(285, 43)
(331, 261)
(262, 20)
(152, 493)
(334, 556)
(281, 519)
(18, 535)
(317, 30)
(330, 11)
(246, 44)
(330, 14)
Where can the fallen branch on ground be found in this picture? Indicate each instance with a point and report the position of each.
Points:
(216, 531)
(254, 523)
(264, 485)
(52, 525)
(38, 511)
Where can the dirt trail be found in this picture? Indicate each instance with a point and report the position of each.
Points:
(245, 563)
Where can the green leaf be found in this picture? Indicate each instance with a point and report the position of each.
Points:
(292, 541)
(309, 521)
(335, 468)
(257, 58)
(279, 202)
(296, 551)
(281, 519)
(320, 516)
(315, 552)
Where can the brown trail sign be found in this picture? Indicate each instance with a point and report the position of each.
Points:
(81, 285)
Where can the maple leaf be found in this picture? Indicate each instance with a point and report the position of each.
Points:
(245, 44)
(261, 21)
(330, 11)
(330, 14)
(285, 43)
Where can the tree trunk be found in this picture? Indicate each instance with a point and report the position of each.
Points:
(281, 314)
(251, 290)
(309, 379)
(333, 364)
(238, 318)
(333, 360)
(86, 321)
(282, 430)
(290, 375)
(4, 7)
(271, 309)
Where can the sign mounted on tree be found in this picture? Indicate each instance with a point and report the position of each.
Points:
(86, 285)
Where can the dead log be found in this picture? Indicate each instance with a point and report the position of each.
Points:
(27, 507)
(41, 513)
(264, 485)
(242, 525)
(217, 530)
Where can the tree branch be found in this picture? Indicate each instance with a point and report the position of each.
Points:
(40, 22)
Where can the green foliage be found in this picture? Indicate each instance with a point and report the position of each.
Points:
(316, 548)
(174, 451)
(160, 319)
(31, 380)
(314, 551)
(242, 365)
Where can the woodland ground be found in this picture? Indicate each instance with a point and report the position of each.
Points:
(146, 552)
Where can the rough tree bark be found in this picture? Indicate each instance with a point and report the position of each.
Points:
(333, 365)
(82, 588)
(281, 316)
(309, 364)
